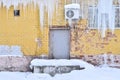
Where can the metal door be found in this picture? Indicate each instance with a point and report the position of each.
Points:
(60, 43)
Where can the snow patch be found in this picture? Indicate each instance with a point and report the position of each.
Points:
(6, 50)
(75, 5)
(89, 74)
(61, 62)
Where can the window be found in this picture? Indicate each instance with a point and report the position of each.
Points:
(16, 12)
(117, 17)
(92, 17)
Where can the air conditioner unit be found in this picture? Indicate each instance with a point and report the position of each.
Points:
(72, 11)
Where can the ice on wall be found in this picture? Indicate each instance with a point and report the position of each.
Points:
(48, 4)
(41, 14)
(93, 15)
(106, 16)
(10, 50)
(82, 9)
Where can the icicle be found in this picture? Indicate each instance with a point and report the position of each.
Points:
(112, 21)
(9, 2)
(105, 8)
(15, 3)
(35, 4)
(104, 25)
(51, 7)
(25, 3)
(82, 10)
(46, 5)
(0, 3)
(111, 16)
(93, 15)
(41, 14)
(4, 3)
(88, 17)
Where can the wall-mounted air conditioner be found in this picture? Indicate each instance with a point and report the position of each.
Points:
(72, 11)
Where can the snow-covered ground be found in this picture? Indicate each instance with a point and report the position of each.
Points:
(87, 74)
(90, 73)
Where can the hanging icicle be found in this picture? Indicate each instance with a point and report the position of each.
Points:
(82, 5)
(8, 4)
(93, 15)
(15, 4)
(50, 6)
(41, 14)
(0, 3)
(106, 16)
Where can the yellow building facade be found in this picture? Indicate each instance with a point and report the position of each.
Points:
(25, 31)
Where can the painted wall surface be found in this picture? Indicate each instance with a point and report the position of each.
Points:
(24, 31)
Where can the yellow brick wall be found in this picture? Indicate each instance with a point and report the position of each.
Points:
(89, 41)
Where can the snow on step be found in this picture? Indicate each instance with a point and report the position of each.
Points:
(60, 62)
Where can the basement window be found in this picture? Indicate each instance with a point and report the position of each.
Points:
(16, 12)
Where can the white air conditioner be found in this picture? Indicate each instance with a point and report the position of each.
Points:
(72, 11)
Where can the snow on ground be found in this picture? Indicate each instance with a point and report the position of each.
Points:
(87, 74)
(92, 74)
(96, 73)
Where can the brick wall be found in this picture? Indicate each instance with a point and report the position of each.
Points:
(97, 60)
(15, 63)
